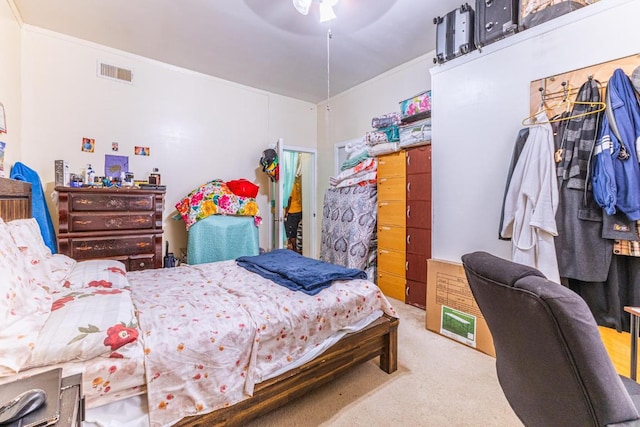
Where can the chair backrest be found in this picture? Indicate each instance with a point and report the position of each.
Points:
(550, 360)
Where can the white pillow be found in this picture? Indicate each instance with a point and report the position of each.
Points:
(85, 324)
(46, 269)
(26, 234)
(97, 273)
(24, 306)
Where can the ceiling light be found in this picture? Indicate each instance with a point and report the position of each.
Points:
(325, 8)
(326, 11)
(302, 6)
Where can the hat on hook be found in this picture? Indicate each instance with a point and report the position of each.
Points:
(269, 163)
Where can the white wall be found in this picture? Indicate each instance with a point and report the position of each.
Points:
(198, 127)
(479, 103)
(351, 111)
(10, 77)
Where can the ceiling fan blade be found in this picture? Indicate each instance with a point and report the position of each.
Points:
(302, 6)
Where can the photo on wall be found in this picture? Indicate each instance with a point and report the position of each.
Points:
(88, 145)
(141, 151)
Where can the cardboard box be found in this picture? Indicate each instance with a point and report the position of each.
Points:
(451, 309)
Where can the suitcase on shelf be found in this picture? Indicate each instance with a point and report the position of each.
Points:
(536, 12)
(454, 34)
(495, 20)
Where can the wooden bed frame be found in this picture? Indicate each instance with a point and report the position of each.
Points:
(380, 338)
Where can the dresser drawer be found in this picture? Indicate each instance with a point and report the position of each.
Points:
(391, 285)
(83, 248)
(392, 261)
(418, 214)
(141, 262)
(419, 186)
(392, 213)
(392, 164)
(419, 159)
(418, 241)
(110, 221)
(108, 201)
(391, 237)
(392, 188)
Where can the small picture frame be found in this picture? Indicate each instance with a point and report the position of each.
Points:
(88, 145)
(141, 151)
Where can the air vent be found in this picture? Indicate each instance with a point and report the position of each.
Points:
(115, 73)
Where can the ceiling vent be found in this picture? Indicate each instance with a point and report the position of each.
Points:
(115, 73)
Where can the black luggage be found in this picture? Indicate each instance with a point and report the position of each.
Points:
(495, 20)
(535, 12)
(454, 34)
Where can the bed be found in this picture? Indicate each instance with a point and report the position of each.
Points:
(129, 366)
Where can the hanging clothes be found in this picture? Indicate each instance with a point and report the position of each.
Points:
(616, 174)
(40, 212)
(531, 202)
(517, 150)
(582, 252)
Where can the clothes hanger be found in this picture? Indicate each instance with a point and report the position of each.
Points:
(569, 103)
(531, 120)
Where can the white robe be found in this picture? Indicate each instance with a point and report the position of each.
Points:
(531, 203)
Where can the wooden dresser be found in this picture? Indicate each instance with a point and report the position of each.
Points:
(114, 223)
(392, 225)
(418, 223)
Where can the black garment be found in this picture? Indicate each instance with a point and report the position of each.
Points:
(291, 224)
(582, 252)
(607, 299)
(523, 134)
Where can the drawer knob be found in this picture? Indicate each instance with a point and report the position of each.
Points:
(142, 264)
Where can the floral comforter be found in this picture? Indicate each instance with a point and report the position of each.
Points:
(212, 331)
(215, 198)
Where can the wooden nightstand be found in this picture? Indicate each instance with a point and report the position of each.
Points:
(64, 402)
(71, 402)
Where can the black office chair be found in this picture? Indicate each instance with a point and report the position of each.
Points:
(550, 359)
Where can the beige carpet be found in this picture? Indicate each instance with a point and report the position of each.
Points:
(439, 382)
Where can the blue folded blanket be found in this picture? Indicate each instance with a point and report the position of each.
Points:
(296, 272)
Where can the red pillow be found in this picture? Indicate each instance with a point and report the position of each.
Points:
(242, 187)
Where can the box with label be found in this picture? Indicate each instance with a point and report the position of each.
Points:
(62, 174)
(451, 309)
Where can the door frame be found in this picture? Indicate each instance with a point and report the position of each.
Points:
(309, 197)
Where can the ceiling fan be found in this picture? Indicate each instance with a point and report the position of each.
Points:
(326, 8)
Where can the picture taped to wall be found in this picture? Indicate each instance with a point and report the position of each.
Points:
(88, 145)
(115, 165)
(141, 151)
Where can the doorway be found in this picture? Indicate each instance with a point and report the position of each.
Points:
(294, 161)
